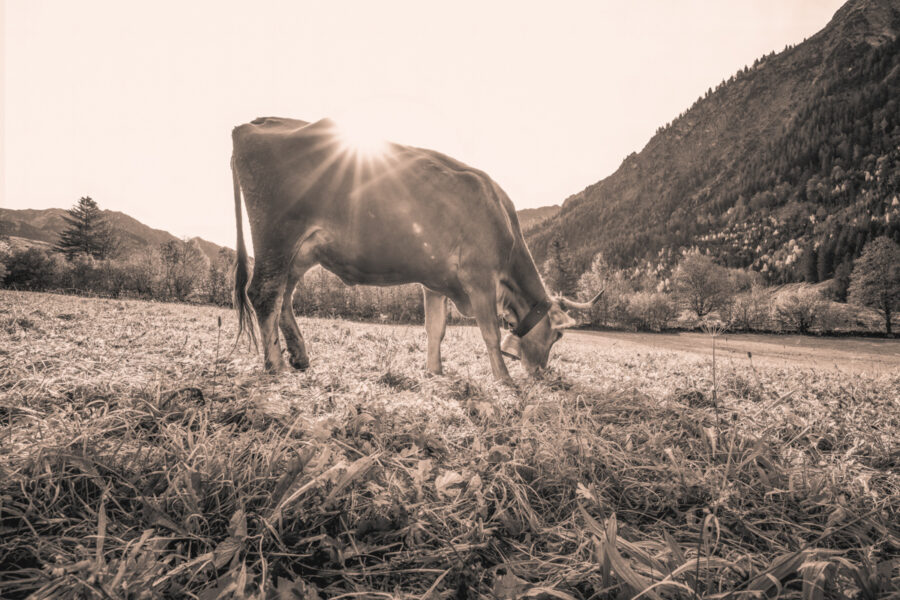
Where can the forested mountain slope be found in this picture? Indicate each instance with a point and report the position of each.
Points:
(789, 167)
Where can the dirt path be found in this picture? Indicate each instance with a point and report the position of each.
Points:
(856, 355)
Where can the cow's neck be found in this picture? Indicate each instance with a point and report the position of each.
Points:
(522, 287)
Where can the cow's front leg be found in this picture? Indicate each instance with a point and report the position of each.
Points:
(435, 328)
(484, 308)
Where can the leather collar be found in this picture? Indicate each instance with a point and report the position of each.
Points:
(534, 316)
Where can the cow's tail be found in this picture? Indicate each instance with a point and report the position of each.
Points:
(241, 268)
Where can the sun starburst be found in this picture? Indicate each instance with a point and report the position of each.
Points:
(361, 137)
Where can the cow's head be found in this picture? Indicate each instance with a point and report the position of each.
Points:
(533, 347)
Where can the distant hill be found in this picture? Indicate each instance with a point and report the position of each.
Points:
(789, 167)
(40, 225)
(45, 226)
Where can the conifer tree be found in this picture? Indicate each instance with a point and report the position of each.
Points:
(88, 231)
(825, 261)
(809, 265)
(875, 281)
(560, 270)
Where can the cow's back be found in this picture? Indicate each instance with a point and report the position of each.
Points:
(402, 215)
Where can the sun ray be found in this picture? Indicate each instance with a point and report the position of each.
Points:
(362, 138)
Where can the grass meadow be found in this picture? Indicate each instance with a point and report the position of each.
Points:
(141, 456)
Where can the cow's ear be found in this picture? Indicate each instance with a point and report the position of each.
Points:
(559, 319)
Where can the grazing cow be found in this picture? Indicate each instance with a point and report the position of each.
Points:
(402, 215)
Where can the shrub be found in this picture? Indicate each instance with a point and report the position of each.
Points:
(4, 258)
(144, 274)
(801, 311)
(748, 311)
(114, 277)
(83, 274)
(32, 269)
(120, 278)
(650, 310)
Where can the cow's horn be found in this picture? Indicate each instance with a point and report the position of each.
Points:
(571, 304)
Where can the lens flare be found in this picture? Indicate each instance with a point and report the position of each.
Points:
(361, 137)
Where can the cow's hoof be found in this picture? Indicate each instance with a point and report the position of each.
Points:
(274, 366)
(508, 382)
(301, 364)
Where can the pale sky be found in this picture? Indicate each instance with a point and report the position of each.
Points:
(132, 103)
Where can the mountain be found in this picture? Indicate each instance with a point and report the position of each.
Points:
(210, 249)
(39, 225)
(45, 226)
(789, 167)
(530, 217)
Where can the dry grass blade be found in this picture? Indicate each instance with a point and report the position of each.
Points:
(782, 567)
(608, 539)
(547, 592)
(815, 575)
(428, 593)
(354, 471)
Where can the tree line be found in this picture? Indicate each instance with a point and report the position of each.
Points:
(88, 259)
(698, 289)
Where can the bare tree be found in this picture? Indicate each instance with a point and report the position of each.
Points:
(612, 306)
(701, 284)
(145, 272)
(801, 311)
(749, 310)
(184, 266)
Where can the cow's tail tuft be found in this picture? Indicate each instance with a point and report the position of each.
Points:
(241, 269)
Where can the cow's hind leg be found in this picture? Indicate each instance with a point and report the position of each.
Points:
(435, 327)
(299, 359)
(266, 292)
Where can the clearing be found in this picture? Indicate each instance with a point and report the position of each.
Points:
(141, 458)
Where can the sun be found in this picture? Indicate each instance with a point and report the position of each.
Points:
(361, 137)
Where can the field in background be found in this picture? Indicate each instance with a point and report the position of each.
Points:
(140, 457)
(851, 354)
